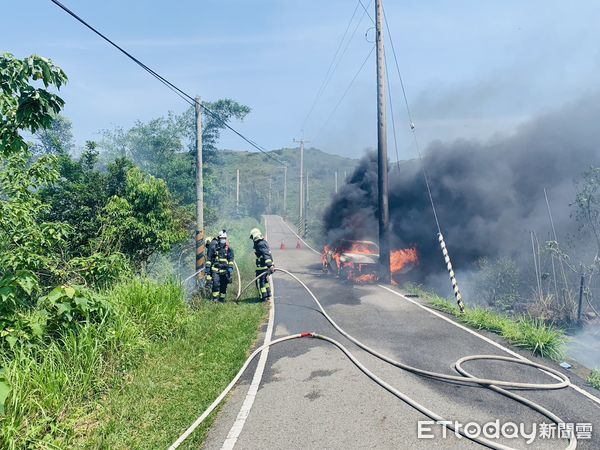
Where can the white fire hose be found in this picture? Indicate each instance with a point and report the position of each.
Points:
(466, 378)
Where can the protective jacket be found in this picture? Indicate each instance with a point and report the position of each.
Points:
(219, 258)
(264, 259)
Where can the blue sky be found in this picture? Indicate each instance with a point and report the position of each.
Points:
(471, 68)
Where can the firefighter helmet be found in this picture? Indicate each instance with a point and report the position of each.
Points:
(255, 234)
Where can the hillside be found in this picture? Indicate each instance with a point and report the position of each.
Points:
(256, 169)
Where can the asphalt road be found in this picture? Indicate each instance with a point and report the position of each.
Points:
(311, 396)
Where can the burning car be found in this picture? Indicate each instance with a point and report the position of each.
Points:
(352, 260)
(358, 261)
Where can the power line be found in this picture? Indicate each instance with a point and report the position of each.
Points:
(389, 89)
(345, 93)
(410, 118)
(326, 80)
(337, 63)
(366, 9)
(182, 94)
(412, 127)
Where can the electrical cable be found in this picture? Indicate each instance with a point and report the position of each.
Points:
(389, 89)
(182, 94)
(466, 377)
(366, 9)
(337, 63)
(412, 126)
(344, 94)
(325, 82)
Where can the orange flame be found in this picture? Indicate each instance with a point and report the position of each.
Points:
(366, 278)
(324, 255)
(361, 249)
(403, 259)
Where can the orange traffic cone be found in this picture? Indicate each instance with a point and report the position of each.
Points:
(282, 246)
(298, 245)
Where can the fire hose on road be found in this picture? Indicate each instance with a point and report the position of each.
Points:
(465, 378)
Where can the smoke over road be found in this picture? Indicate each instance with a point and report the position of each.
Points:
(488, 195)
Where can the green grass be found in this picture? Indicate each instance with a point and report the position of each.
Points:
(594, 379)
(177, 381)
(525, 332)
(52, 384)
(157, 308)
(135, 380)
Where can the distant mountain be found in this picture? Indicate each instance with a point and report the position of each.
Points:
(256, 169)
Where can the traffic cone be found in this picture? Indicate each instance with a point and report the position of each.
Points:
(282, 246)
(298, 245)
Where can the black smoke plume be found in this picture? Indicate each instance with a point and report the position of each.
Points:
(488, 195)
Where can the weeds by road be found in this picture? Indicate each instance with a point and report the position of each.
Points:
(594, 378)
(179, 378)
(133, 380)
(525, 332)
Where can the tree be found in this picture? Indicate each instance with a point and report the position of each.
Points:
(23, 106)
(57, 139)
(26, 241)
(165, 148)
(117, 210)
(143, 221)
(78, 199)
(223, 111)
(587, 201)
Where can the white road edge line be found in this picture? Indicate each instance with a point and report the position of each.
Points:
(240, 421)
(296, 234)
(486, 339)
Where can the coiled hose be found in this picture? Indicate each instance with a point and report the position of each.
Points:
(465, 378)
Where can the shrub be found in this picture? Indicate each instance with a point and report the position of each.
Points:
(67, 306)
(100, 270)
(594, 379)
(499, 283)
(16, 296)
(88, 344)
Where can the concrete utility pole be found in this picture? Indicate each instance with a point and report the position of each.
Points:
(284, 191)
(336, 182)
(306, 200)
(270, 194)
(382, 168)
(237, 191)
(301, 196)
(199, 196)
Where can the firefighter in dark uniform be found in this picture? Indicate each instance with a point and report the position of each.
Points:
(264, 263)
(211, 244)
(219, 265)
